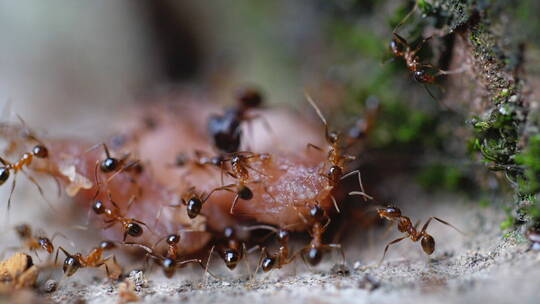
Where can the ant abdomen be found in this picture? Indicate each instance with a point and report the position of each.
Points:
(428, 244)
(245, 193)
(194, 206)
(268, 263)
(314, 256)
(4, 175)
(231, 258)
(134, 229)
(40, 151)
(71, 265)
(98, 207)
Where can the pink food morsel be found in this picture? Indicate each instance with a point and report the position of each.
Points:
(284, 186)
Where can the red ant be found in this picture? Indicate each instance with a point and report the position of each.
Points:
(117, 165)
(74, 262)
(405, 225)
(279, 259)
(193, 201)
(225, 129)
(169, 262)
(234, 251)
(35, 242)
(335, 157)
(130, 226)
(38, 151)
(313, 252)
(239, 166)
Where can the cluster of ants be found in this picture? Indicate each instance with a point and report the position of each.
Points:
(225, 132)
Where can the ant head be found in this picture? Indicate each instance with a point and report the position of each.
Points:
(173, 239)
(332, 137)
(335, 173)
(245, 193)
(71, 265)
(249, 98)
(194, 206)
(428, 244)
(283, 235)
(389, 212)
(169, 267)
(109, 164)
(316, 212)
(98, 207)
(107, 245)
(46, 244)
(423, 77)
(314, 256)
(231, 258)
(4, 175)
(396, 47)
(134, 229)
(268, 263)
(40, 151)
(228, 232)
(23, 231)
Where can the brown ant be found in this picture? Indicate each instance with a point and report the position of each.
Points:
(35, 242)
(225, 129)
(74, 262)
(130, 226)
(239, 170)
(193, 201)
(38, 151)
(117, 165)
(281, 257)
(169, 262)
(336, 157)
(405, 225)
(234, 251)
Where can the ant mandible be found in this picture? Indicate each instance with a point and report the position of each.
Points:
(405, 225)
(74, 262)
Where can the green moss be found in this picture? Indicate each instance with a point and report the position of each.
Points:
(442, 176)
(529, 183)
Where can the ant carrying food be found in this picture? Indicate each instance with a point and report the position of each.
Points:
(336, 157)
(239, 162)
(405, 225)
(130, 226)
(94, 259)
(225, 129)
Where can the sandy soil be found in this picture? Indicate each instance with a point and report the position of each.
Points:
(479, 267)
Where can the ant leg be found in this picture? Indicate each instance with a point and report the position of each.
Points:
(12, 190)
(388, 245)
(337, 247)
(421, 44)
(319, 113)
(208, 264)
(441, 221)
(406, 17)
(335, 203)
(362, 192)
(234, 203)
(57, 251)
(40, 190)
(310, 145)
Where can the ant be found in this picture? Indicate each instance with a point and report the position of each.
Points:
(35, 242)
(405, 225)
(239, 166)
(234, 251)
(38, 151)
(193, 201)
(225, 129)
(130, 226)
(117, 165)
(281, 257)
(169, 262)
(74, 262)
(335, 157)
